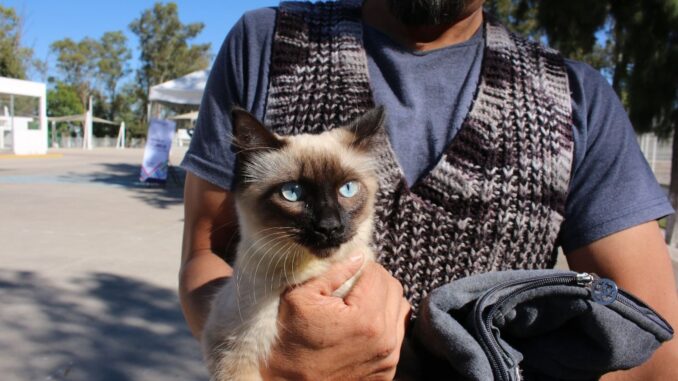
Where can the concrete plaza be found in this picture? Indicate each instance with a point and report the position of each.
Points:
(88, 268)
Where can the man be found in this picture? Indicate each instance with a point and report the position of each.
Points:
(504, 197)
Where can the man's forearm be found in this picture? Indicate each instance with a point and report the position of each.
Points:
(637, 260)
(199, 279)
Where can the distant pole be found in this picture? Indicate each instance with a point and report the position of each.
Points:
(121, 136)
(87, 138)
(54, 142)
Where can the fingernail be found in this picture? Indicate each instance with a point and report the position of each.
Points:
(356, 257)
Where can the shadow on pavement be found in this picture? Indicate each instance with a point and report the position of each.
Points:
(103, 327)
(127, 176)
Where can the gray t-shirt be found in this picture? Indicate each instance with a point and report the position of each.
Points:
(427, 96)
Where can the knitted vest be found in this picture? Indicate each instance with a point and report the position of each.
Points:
(496, 198)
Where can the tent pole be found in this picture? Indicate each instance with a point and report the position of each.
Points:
(121, 137)
(53, 130)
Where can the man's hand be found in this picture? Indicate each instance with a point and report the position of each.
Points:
(322, 337)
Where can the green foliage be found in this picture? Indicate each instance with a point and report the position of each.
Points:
(519, 16)
(14, 59)
(650, 70)
(63, 100)
(129, 106)
(112, 62)
(77, 62)
(96, 67)
(165, 52)
(89, 65)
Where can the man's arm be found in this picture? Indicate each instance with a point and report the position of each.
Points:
(210, 224)
(637, 260)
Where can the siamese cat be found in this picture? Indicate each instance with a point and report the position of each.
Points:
(303, 203)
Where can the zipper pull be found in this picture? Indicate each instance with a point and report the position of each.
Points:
(584, 279)
(603, 291)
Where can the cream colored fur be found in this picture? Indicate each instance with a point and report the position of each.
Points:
(241, 326)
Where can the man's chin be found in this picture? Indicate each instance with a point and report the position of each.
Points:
(427, 12)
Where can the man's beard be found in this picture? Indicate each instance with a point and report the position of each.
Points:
(427, 12)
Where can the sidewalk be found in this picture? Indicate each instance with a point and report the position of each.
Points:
(89, 268)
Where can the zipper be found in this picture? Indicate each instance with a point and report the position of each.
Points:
(602, 284)
(603, 291)
(496, 354)
(633, 303)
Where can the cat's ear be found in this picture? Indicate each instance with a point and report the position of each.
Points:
(250, 135)
(366, 127)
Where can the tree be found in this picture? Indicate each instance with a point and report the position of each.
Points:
(14, 59)
(129, 109)
(77, 62)
(63, 100)
(165, 52)
(112, 64)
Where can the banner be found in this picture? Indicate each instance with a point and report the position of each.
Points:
(156, 153)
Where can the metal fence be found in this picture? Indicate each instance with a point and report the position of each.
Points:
(104, 142)
(658, 153)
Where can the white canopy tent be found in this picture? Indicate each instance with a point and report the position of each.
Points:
(193, 115)
(186, 90)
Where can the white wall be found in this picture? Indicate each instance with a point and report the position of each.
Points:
(25, 141)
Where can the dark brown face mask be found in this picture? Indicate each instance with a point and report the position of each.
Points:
(427, 12)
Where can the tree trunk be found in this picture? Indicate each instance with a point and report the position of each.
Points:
(672, 226)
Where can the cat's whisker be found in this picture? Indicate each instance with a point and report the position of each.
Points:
(282, 256)
(222, 226)
(256, 270)
(241, 270)
(272, 256)
(249, 259)
(272, 271)
(287, 257)
(294, 268)
(282, 252)
(255, 244)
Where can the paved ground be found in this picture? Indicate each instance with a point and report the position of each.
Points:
(88, 266)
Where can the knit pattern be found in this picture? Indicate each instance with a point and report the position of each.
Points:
(494, 201)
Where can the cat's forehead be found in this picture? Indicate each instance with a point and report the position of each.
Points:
(326, 157)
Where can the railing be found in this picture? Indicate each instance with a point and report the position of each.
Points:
(104, 142)
(658, 155)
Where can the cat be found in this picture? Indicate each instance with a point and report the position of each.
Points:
(303, 202)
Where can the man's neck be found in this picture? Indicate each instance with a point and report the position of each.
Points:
(376, 13)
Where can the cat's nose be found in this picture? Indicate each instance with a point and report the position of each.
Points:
(330, 227)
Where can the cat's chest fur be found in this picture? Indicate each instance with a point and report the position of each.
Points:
(303, 203)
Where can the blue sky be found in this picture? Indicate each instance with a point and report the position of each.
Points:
(47, 21)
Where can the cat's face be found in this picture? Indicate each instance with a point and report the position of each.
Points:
(316, 191)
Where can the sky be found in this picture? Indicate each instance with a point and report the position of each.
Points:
(46, 21)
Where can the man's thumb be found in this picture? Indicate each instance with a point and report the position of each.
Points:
(337, 274)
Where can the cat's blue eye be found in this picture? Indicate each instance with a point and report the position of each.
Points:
(349, 189)
(291, 191)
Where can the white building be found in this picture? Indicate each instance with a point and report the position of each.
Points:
(23, 116)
